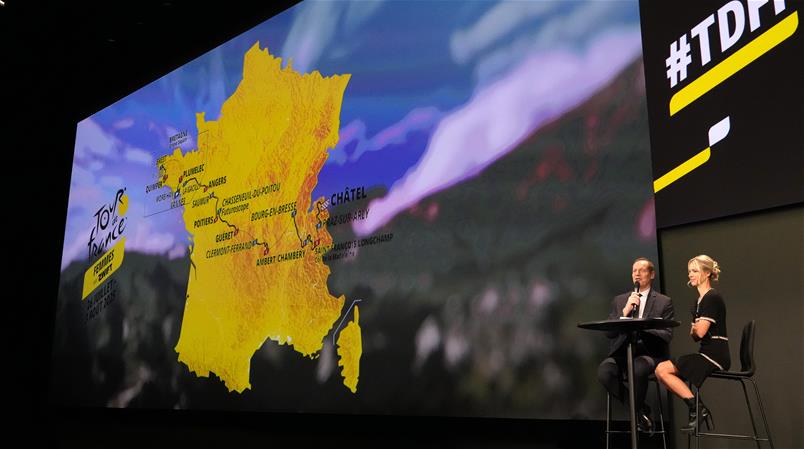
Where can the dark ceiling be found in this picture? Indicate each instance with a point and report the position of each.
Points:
(89, 53)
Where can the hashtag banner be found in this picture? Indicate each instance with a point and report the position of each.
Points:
(725, 106)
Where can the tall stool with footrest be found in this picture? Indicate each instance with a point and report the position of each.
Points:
(661, 431)
(744, 376)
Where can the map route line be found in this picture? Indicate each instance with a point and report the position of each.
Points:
(217, 217)
(173, 208)
(236, 229)
(218, 214)
(319, 209)
(344, 318)
(309, 238)
(256, 241)
(184, 183)
(303, 243)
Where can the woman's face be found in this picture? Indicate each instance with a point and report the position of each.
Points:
(696, 275)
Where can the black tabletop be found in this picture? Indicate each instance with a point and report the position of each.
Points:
(629, 324)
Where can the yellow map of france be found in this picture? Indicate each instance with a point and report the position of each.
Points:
(247, 198)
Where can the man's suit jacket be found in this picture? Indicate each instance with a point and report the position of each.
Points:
(655, 342)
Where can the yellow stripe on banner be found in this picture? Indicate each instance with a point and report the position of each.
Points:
(734, 63)
(103, 268)
(686, 167)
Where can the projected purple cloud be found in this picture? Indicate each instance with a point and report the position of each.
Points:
(501, 115)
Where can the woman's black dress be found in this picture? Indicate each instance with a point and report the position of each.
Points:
(714, 351)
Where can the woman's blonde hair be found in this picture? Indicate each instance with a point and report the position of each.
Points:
(708, 265)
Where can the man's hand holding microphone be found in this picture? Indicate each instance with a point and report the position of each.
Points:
(632, 306)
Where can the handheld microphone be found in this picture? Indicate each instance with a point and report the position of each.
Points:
(635, 309)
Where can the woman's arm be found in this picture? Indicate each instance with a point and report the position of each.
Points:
(699, 329)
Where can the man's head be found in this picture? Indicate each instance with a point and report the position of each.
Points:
(643, 272)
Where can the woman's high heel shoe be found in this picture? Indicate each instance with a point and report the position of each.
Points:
(706, 418)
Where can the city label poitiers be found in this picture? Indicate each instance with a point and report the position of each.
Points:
(203, 221)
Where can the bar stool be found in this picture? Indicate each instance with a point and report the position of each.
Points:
(651, 380)
(745, 375)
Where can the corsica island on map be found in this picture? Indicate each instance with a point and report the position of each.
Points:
(254, 227)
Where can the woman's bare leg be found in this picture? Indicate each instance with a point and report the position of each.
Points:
(667, 373)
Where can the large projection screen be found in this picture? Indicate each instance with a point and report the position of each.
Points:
(363, 207)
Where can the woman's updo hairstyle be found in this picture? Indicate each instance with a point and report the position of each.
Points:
(708, 265)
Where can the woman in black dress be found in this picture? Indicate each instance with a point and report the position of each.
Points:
(708, 327)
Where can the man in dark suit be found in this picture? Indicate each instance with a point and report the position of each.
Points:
(652, 346)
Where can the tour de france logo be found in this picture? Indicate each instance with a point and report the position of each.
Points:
(106, 242)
